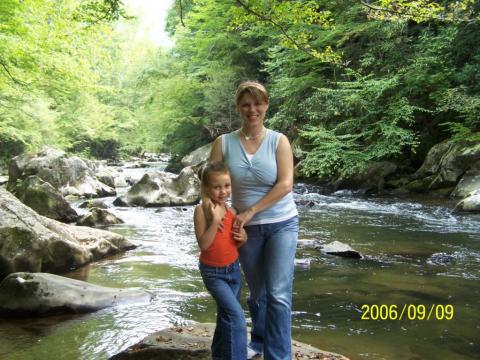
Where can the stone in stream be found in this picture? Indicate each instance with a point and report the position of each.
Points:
(163, 189)
(93, 203)
(68, 174)
(99, 217)
(193, 342)
(29, 294)
(340, 249)
(34, 243)
(45, 199)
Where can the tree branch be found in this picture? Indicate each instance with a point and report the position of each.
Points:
(274, 23)
(401, 13)
(181, 12)
(15, 80)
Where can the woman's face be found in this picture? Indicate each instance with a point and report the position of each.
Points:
(252, 111)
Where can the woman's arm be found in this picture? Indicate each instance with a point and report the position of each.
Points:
(205, 232)
(283, 186)
(216, 153)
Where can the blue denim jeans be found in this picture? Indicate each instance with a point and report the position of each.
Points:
(267, 260)
(230, 337)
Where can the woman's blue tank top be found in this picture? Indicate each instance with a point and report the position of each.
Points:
(253, 179)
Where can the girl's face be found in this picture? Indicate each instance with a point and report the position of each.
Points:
(252, 111)
(219, 187)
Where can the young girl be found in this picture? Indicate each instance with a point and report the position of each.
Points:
(219, 264)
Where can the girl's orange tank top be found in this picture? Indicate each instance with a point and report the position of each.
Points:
(223, 250)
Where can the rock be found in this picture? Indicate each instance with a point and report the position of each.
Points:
(99, 217)
(110, 176)
(25, 294)
(164, 189)
(3, 179)
(97, 203)
(45, 199)
(440, 258)
(470, 204)
(34, 243)
(305, 202)
(444, 165)
(69, 175)
(193, 342)
(469, 182)
(340, 249)
(197, 157)
(371, 178)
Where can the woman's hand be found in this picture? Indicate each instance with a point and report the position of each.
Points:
(243, 218)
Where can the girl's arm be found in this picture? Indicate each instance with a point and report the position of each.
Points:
(283, 186)
(205, 232)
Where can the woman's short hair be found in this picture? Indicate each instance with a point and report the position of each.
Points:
(254, 88)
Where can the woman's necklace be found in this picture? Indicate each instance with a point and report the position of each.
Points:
(259, 135)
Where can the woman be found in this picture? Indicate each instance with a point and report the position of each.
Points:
(261, 164)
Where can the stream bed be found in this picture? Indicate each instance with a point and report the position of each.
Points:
(417, 252)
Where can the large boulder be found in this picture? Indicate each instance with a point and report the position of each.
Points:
(34, 243)
(193, 342)
(99, 217)
(68, 174)
(45, 199)
(163, 189)
(444, 165)
(25, 294)
(197, 157)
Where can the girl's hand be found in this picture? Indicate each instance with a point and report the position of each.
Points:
(243, 218)
(217, 213)
(240, 237)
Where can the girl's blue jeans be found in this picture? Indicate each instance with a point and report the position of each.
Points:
(230, 337)
(267, 260)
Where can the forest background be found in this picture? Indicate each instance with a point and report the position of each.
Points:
(350, 81)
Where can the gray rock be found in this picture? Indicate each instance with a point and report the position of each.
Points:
(444, 165)
(34, 243)
(469, 182)
(197, 157)
(45, 199)
(193, 342)
(340, 249)
(3, 179)
(164, 189)
(471, 203)
(97, 203)
(25, 294)
(69, 175)
(99, 217)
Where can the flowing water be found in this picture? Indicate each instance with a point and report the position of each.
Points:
(415, 252)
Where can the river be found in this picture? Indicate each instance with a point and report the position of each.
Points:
(418, 256)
